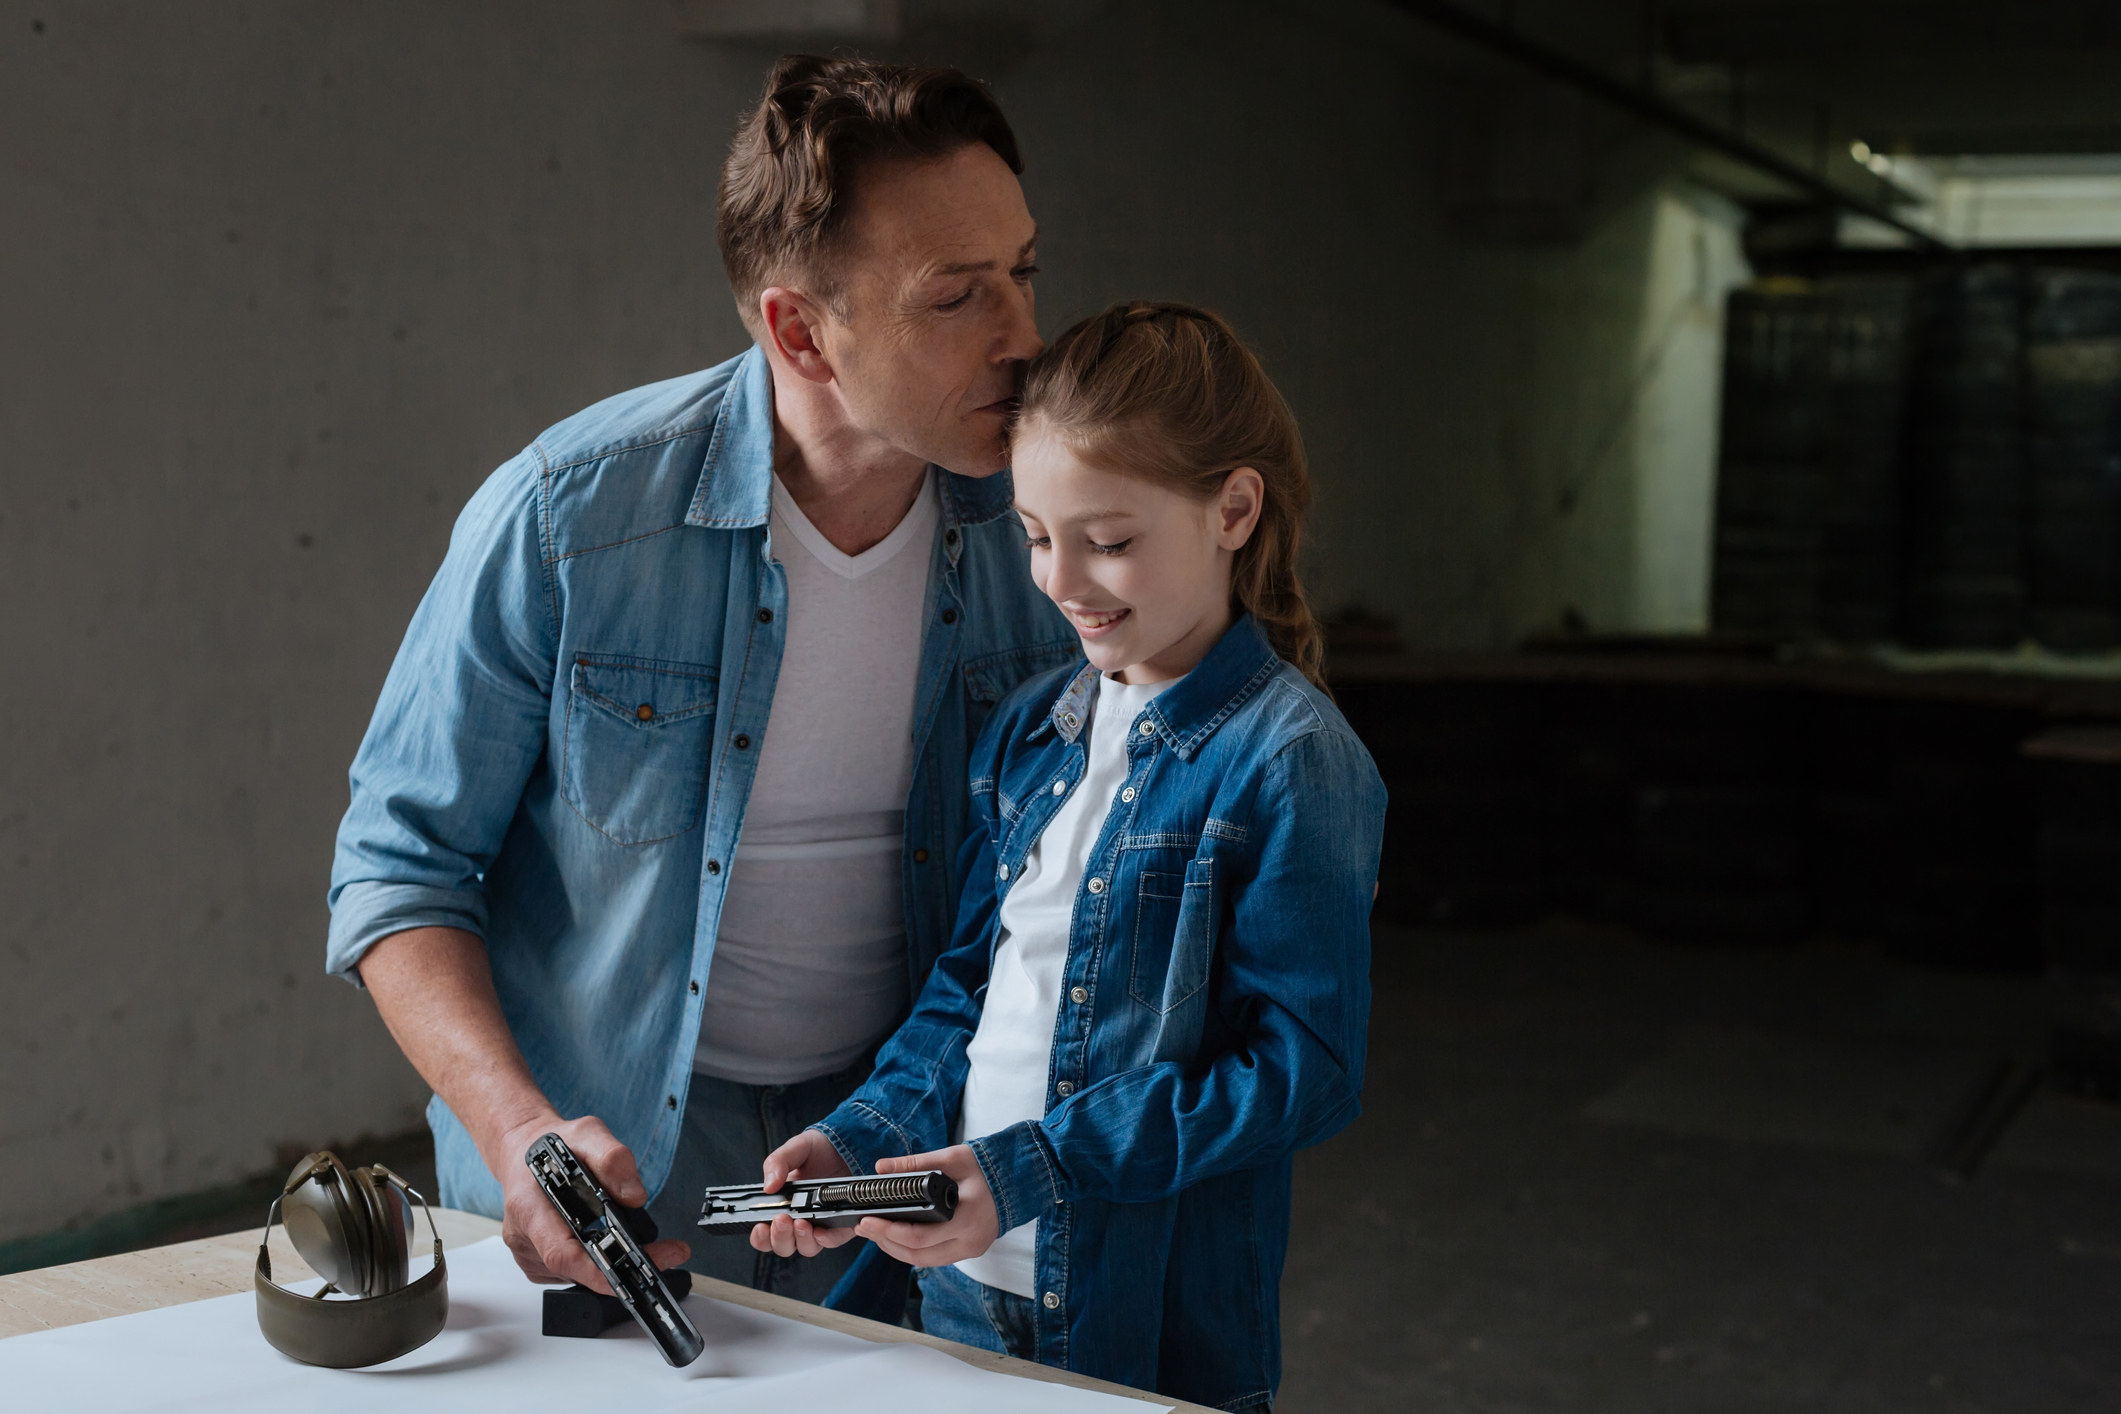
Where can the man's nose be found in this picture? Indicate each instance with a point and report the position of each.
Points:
(1017, 341)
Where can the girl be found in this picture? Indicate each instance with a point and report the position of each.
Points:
(1159, 985)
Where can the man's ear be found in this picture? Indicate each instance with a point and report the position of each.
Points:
(794, 328)
(1237, 507)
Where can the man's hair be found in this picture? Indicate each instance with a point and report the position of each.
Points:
(792, 169)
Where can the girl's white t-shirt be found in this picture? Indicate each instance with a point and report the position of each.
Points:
(1011, 1051)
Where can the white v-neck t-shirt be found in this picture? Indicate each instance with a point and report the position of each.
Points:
(1011, 1051)
(809, 965)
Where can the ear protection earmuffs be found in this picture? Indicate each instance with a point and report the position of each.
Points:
(354, 1228)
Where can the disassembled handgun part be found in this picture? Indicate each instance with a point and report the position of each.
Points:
(929, 1197)
(597, 1224)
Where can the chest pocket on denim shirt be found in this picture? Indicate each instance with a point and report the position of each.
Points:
(991, 677)
(1174, 935)
(638, 737)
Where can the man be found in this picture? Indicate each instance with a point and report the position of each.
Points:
(654, 834)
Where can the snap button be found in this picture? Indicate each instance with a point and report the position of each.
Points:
(645, 712)
(1148, 727)
(1097, 886)
(1127, 795)
(920, 856)
(743, 743)
(1060, 787)
(1064, 1088)
(950, 536)
(1052, 1302)
(1078, 995)
(714, 866)
(670, 1102)
(695, 988)
(765, 616)
(1002, 871)
(949, 616)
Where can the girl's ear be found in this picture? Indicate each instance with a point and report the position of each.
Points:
(1237, 507)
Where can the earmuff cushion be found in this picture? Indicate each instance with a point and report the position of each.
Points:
(388, 1257)
(354, 1226)
(324, 1223)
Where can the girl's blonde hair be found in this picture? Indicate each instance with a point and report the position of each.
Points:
(1169, 392)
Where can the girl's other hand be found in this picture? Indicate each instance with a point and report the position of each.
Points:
(968, 1234)
(808, 1155)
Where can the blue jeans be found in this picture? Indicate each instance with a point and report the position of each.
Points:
(956, 1307)
(728, 1131)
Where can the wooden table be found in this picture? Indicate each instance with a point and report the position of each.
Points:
(222, 1266)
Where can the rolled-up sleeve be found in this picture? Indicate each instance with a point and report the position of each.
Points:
(459, 727)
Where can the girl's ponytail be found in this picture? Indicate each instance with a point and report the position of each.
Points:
(1169, 392)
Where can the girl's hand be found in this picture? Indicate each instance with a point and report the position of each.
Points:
(808, 1155)
(968, 1234)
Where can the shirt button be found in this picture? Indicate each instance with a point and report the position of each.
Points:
(1127, 795)
(714, 866)
(1097, 886)
(1060, 787)
(765, 616)
(670, 1102)
(645, 712)
(1002, 872)
(920, 856)
(695, 989)
(1148, 728)
(949, 616)
(1065, 1088)
(743, 743)
(1052, 1301)
(1078, 995)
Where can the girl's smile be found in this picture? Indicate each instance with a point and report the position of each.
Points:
(1141, 569)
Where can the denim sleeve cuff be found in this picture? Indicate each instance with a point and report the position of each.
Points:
(1021, 1173)
(367, 912)
(863, 1134)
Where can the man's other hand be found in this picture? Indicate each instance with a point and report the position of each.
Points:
(808, 1155)
(543, 1246)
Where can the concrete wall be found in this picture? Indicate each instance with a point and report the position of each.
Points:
(1507, 378)
(282, 281)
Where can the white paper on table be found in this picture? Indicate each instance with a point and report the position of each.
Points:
(210, 1356)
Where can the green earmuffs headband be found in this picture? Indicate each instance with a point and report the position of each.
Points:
(354, 1228)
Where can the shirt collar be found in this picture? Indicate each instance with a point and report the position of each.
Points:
(1186, 716)
(736, 479)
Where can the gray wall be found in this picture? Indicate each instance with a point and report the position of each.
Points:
(280, 282)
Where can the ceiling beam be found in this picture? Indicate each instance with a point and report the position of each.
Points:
(1653, 109)
(1803, 31)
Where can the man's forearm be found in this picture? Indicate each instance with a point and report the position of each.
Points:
(434, 989)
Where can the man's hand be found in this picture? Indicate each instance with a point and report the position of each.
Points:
(534, 1232)
(808, 1155)
(968, 1234)
(435, 992)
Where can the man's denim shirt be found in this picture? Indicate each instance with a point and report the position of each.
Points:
(1214, 1009)
(562, 753)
